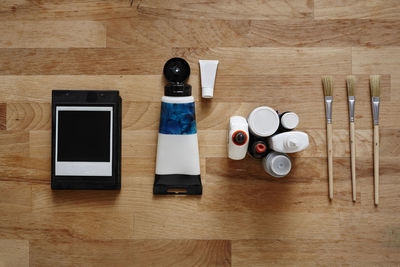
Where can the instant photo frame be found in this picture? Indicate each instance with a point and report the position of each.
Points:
(86, 140)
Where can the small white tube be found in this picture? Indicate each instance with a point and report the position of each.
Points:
(208, 70)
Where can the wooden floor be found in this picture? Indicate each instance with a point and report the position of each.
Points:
(271, 53)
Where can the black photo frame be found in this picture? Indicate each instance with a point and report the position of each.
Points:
(82, 169)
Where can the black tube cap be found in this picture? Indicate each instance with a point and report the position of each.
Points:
(176, 72)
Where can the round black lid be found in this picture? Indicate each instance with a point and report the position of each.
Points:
(176, 72)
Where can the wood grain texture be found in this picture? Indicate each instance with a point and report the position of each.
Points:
(315, 252)
(3, 116)
(66, 225)
(76, 61)
(225, 9)
(156, 32)
(65, 10)
(265, 60)
(14, 252)
(59, 34)
(271, 53)
(132, 252)
(343, 9)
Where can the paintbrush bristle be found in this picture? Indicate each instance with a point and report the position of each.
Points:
(327, 83)
(375, 84)
(351, 85)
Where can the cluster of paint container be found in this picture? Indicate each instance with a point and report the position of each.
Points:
(268, 135)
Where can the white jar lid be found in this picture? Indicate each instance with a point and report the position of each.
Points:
(290, 120)
(263, 121)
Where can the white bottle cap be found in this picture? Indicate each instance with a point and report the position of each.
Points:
(292, 142)
(207, 92)
(290, 120)
(281, 165)
(263, 121)
(277, 164)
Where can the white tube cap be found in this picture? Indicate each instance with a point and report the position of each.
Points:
(207, 92)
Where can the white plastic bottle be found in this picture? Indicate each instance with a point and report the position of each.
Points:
(289, 142)
(238, 138)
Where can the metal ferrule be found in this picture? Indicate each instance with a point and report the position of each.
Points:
(352, 101)
(328, 106)
(375, 109)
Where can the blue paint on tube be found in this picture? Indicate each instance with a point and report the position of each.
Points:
(177, 118)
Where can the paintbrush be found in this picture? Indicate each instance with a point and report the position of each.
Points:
(351, 86)
(374, 81)
(327, 83)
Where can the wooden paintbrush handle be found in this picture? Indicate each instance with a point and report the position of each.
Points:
(330, 159)
(353, 159)
(376, 163)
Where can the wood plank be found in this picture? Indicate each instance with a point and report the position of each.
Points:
(312, 252)
(149, 31)
(28, 116)
(65, 10)
(3, 116)
(132, 198)
(376, 60)
(14, 252)
(342, 9)
(372, 226)
(74, 61)
(266, 60)
(328, 33)
(168, 224)
(25, 169)
(291, 9)
(282, 89)
(133, 88)
(132, 252)
(40, 144)
(144, 61)
(278, 196)
(14, 143)
(55, 34)
(66, 225)
(15, 197)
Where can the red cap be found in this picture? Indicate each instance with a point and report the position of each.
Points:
(260, 148)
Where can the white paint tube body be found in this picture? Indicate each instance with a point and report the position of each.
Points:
(208, 71)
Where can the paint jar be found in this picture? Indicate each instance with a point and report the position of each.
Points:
(263, 121)
(277, 164)
(258, 147)
(288, 121)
